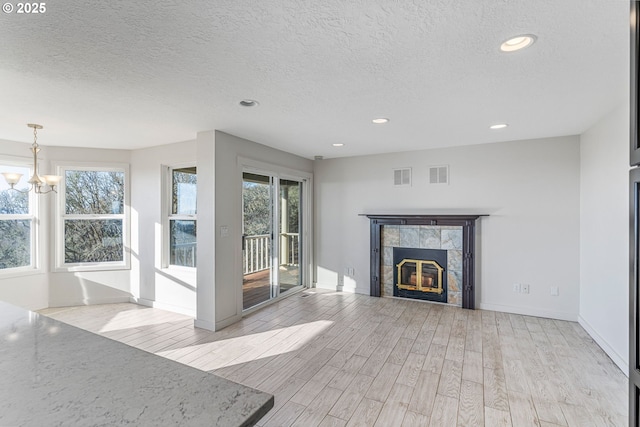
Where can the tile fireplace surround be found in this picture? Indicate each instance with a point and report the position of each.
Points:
(453, 233)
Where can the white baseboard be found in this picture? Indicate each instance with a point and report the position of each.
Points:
(620, 361)
(89, 301)
(203, 324)
(227, 322)
(331, 287)
(528, 311)
(163, 306)
(347, 289)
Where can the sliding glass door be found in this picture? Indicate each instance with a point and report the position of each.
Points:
(271, 239)
(289, 231)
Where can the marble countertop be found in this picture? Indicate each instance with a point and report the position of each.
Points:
(54, 374)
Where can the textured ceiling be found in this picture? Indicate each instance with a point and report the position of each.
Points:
(131, 74)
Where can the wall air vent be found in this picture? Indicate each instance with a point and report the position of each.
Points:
(438, 174)
(402, 177)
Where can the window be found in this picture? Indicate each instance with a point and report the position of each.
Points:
(17, 222)
(181, 219)
(93, 222)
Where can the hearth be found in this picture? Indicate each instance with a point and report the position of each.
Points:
(420, 274)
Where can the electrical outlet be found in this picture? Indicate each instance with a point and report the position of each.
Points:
(525, 289)
(555, 291)
(517, 287)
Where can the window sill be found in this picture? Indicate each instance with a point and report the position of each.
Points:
(92, 267)
(10, 273)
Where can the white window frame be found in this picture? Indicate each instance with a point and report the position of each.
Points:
(61, 216)
(167, 216)
(33, 216)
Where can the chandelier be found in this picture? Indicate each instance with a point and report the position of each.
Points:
(39, 184)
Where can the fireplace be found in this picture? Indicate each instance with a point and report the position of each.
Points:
(449, 280)
(420, 274)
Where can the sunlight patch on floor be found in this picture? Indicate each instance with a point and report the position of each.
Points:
(254, 346)
(135, 318)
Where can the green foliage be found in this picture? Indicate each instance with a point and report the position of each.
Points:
(257, 208)
(290, 192)
(256, 198)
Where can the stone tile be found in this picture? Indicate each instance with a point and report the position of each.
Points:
(387, 290)
(454, 260)
(429, 237)
(454, 298)
(387, 255)
(454, 281)
(410, 236)
(387, 279)
(390, 235)
(387, 274)
(451, 239)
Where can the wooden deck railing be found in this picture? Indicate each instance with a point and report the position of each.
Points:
(257, 251)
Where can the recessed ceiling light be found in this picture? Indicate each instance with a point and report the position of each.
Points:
(249, 103)
(498, 126)
(338, 144)
(380, 121)
(518, 42)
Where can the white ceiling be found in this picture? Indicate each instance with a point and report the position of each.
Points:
(132, 74)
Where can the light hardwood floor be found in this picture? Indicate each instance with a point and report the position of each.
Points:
(334, 359)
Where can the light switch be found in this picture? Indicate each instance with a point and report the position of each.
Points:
(224, 231)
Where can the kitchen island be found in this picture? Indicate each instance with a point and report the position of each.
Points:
(54, 374)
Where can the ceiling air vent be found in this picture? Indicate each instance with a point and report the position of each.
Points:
(402, 177)
(439, 175)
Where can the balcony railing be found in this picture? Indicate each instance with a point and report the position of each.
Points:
(257, 252)
(183, 254)
(289, 245)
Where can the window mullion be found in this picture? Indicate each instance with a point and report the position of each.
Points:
(8, 217)
(92, 216)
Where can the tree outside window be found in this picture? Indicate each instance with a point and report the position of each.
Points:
(16, 222)
(93, 220)
(182, 217)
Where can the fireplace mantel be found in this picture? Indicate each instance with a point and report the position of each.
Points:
(466, 221)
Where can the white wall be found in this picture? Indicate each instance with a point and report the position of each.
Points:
(207, 267)
(529, 188)
(604, 234)
(90, 287)
(31, 290)
(226, 203)
(169, 288)
(51, 289)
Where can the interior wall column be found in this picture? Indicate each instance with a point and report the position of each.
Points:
(206, 237)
